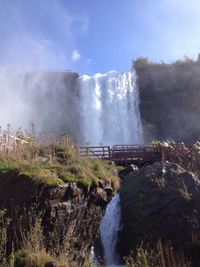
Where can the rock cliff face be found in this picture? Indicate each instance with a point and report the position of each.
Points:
(169, 99)
(161, 201)
(70, 212)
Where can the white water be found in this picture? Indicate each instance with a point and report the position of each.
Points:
(100, 109)
(109, 231)
(110, 109)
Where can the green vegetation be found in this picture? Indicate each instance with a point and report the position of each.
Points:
(4, 223)
(40, 165)
(33, 251)
(54, 163)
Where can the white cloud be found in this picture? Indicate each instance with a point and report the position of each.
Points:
(76, 56)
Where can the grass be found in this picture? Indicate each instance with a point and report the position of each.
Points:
(4, 223)
(29, 258)
(162, 255)
(55, 163)
(34, 252)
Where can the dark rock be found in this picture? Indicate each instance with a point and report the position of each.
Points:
(70, 212)
(160, 201)
(129, 169)
(50, 264)
(101, 183)
(164, 90)
(109, 190)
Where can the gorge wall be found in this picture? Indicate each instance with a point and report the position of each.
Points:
(70, 213)
(169, 99)
(153, 101)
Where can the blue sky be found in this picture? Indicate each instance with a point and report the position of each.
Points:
(92, 36)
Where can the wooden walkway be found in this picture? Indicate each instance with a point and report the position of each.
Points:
(123, 154)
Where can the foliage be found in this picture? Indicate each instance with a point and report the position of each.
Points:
(141, 63)
(52, 163)
(33, 252)
(186, 156)
(162, 255)
(4, 223)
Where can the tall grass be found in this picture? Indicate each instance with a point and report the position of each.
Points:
(163, 255)
(53, 162)
(4, 223)
(33, 250)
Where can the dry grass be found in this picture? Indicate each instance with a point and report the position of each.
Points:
(52, 163)
(160, 256)
(4, 223)
(34, 253)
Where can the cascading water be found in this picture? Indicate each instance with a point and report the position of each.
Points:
(109, 231)
(110, 115)
(103, 108)
(110, 109)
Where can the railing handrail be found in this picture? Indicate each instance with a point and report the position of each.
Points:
(122, 152)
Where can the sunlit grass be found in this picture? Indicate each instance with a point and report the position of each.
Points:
(56, 163)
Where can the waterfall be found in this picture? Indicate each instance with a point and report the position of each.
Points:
(110, 109)
(109, 230)
(98, 109)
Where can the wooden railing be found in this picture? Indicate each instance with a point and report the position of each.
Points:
(102, 152)
(123, 154)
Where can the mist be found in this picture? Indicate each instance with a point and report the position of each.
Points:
(36, 85)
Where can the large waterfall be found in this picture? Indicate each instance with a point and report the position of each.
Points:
(110, 109)
(98, 109)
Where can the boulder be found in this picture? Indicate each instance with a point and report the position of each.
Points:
(159, 202)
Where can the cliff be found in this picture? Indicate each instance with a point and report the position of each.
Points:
(67, 194)
(71, 214)
(169, 99)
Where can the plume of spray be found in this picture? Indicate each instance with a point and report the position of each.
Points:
(33, 58)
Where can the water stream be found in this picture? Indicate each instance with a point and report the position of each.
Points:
(109, 231)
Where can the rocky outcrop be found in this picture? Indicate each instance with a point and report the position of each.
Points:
(70, 212)
(169, 99)
(75, 217)
(159, 202)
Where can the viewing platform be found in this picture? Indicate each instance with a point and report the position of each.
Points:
(124, 154)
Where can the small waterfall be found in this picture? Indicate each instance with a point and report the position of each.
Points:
(109, 231)
(110, 108)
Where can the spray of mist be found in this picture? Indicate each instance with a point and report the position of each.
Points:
(36, 88)
(38, 39)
